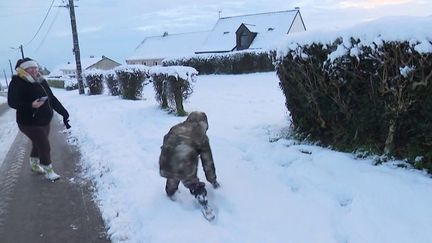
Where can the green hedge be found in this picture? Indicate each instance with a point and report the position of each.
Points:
(229, 63)
(376, 98)
(56, 83)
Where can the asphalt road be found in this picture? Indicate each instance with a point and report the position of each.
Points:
(33, 209)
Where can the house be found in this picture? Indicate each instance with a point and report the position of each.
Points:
(154, 49)
(252, 31)
(69, 69)
(245, 32)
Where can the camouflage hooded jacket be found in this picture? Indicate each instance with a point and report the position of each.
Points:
(182, 146)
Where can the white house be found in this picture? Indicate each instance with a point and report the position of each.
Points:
(154, 49)
(69, 69)
(252, 31)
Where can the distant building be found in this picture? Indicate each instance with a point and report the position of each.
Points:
(245, 32)
(252, 31)
(154, 49)
(69, 70)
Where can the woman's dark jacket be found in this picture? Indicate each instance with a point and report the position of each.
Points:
(22, 93)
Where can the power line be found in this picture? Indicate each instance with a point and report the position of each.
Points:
(40, 27)
(49, 29)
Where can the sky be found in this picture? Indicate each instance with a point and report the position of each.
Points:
(115, 28)
(273, 189)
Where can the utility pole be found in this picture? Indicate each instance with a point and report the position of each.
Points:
(22, 51)
(7, 86)
(10, 64)
(76, 49)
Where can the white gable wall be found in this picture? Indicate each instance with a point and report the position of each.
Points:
(297, 25)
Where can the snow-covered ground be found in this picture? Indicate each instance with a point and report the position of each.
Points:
(8, 130)
(272, 190)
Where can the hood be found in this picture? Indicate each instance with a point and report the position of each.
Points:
(199, 117)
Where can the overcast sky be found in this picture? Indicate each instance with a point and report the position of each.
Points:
(115, 27)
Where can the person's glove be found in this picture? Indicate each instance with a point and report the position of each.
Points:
(215, 185)
(66, 122)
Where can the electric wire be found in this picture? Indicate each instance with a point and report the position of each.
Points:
(49, 29)
(40, 27)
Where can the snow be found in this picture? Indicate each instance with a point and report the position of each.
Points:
(8, 130)
(273, 189)
(172, 45)
(415, 30)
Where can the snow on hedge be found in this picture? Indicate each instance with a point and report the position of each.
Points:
(415, 30)
(210, 56)
(93, 72)
(182, 72)
(132, 68)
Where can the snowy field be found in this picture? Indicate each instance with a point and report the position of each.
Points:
(272, 190)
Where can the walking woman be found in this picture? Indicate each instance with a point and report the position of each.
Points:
(34, 102)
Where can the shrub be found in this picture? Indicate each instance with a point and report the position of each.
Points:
(56, 83)
(227, 63)
(354, 96)
(94, 81)
(173, 85)
(112, 83)
(131, 79)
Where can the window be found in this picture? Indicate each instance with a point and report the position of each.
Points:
(244, 40)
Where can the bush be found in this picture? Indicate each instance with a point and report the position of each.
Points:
(71, 83)
(131, 79)
(112, 83)
(173, 85)
(94, 81)
(56, 83)
(227, 63)
(374, 97)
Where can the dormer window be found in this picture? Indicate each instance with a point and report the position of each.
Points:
(244, 37)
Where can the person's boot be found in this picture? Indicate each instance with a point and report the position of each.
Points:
(35, 165)
(202, 199)
(49, 173)
(200, 193)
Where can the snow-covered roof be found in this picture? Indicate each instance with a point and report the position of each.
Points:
(85, 63)
(270, 28)
(171, 45)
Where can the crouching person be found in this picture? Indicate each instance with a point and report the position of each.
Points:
(181, 149)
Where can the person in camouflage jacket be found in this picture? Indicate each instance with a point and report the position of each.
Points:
(181, 149)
